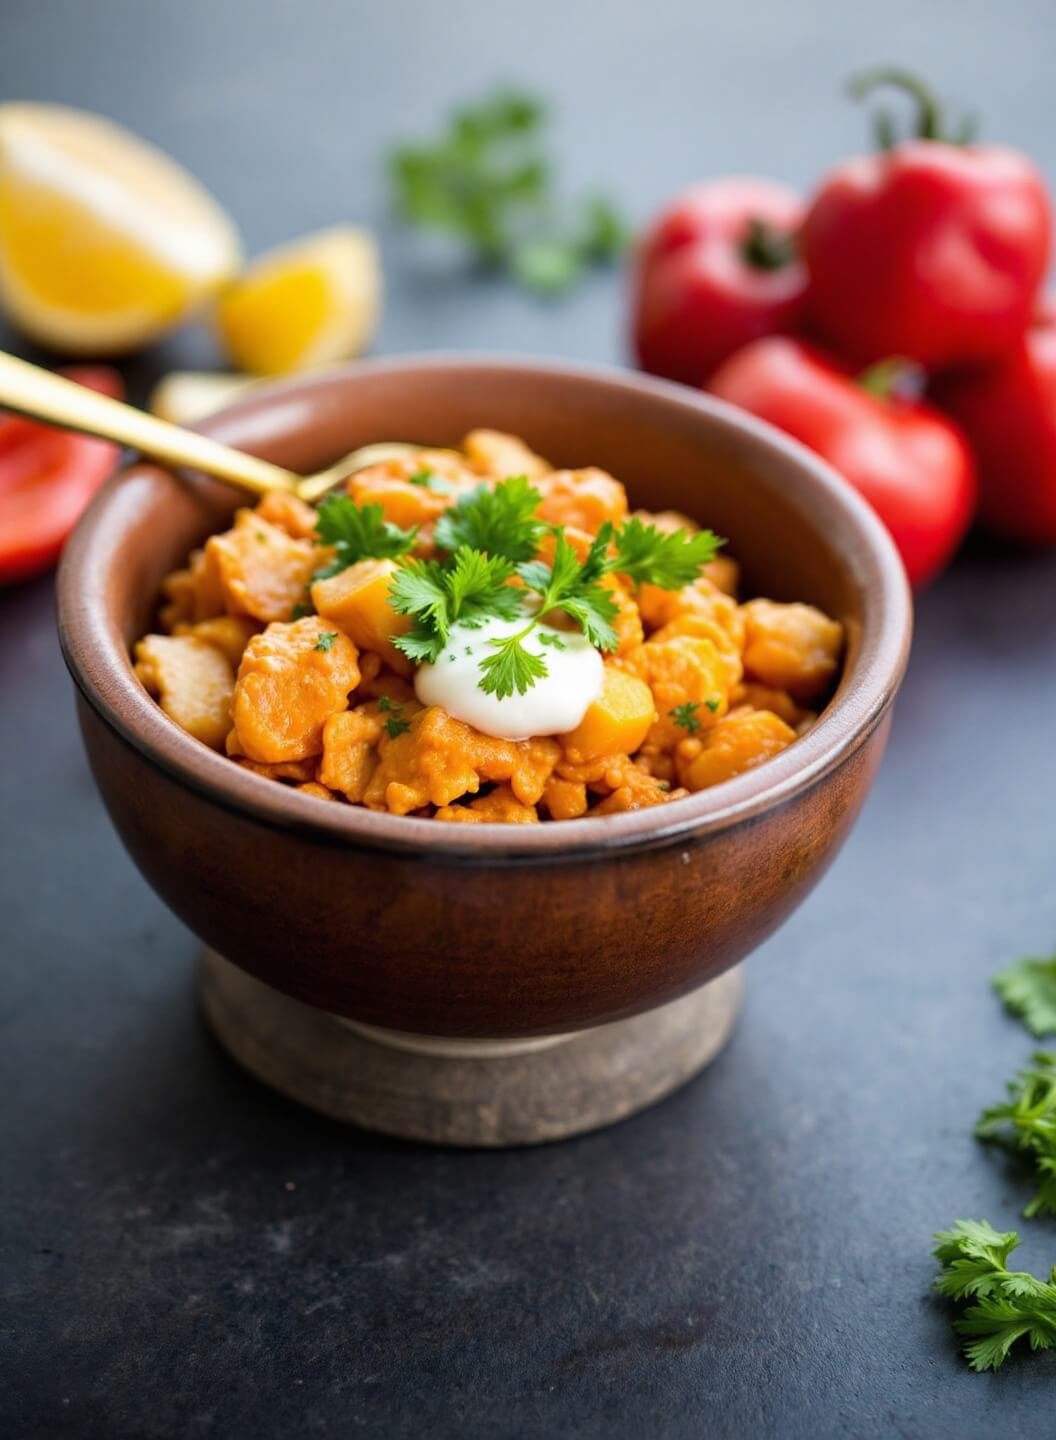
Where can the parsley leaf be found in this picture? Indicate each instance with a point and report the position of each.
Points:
(686, 716)
(667, 558)
(429, 480)
(501, 521)
(358, 532)
(1026, 1122)
(1008, 1305)
(486, 180)
(472, 590)
(1028, 989)
(511, 667)
(394, 725)
(325, 641)
(575, 588)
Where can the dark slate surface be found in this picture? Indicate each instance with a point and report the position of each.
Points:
(184, 1254)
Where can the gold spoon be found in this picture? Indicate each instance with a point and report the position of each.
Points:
(37, 393)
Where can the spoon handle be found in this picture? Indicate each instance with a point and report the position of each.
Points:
(35, 392)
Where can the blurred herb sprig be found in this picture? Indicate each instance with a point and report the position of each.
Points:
(487, 180)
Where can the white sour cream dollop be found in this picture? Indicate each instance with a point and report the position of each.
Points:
(554, 705)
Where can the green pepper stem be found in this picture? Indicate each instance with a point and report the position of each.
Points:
(930, 117)
(766, 248)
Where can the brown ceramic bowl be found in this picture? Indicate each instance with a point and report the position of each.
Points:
(490, 930)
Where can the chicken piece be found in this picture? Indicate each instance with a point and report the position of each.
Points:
(350, 754)
(637, 790)
(438, 759)
(564, 799)
(499, 455)
(298, 772)
(582, 498)
(192, 681)
(791, 647)
(192, 594)
(763, 697)
(689, 681)
(500, 807)
(291, 680)
(706, 613)
(230, 634)
(734, 744)
(289, 513)
(319, 791)
(414, 490)
(263, 571)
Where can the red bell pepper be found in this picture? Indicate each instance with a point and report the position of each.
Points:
(1008, 412)
(47, 477)
(933, 249)
(717, 269)
(911, 463)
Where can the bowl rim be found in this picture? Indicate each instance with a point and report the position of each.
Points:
(104, 677)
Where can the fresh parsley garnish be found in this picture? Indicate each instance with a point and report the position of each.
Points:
(553, 639)
(325, 641)
(395, 724)
(668, 558)
(501, 521)
(486, 180)
(493, 535)
(302, 609)
(1028, 989)
(686, 716)
(1026, 1122)
(713, 705)
(1007, 1305)
(358, 532)
(470, 591)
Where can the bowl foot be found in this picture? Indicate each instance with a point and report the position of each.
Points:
(466, 1092)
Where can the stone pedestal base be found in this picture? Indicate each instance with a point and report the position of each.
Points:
(466, 1092)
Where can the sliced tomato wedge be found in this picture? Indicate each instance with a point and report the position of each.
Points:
(47, 478)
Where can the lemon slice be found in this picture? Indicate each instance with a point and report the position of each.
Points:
(309, 303)
(184, 396)
(104, 241)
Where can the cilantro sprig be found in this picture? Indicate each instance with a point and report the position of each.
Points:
(501, 521)
(494, 535)
(358, 532)
(1027, 988)
(470, 591)
(486, 179)
(1026, 1122)
(1006, 1305)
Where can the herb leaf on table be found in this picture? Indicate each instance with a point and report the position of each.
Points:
(1027, 989)
(1008, 1305)
(1026, 1122)
(486, 179)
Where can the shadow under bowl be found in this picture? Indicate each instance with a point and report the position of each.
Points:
(490, 931)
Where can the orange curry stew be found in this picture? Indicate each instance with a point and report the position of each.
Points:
(296, 654)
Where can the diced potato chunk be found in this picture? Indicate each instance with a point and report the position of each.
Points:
(565, 799)
(291, 680)
(263, 571)
(357, 599)
(734, 744)
(616, 723)
(791, 647)
(192, 682)
(230, 634)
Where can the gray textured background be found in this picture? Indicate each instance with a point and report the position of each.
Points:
(185, 1255)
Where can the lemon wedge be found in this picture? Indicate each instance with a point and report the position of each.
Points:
(184, 396)
(104, 241)
(305, 304)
